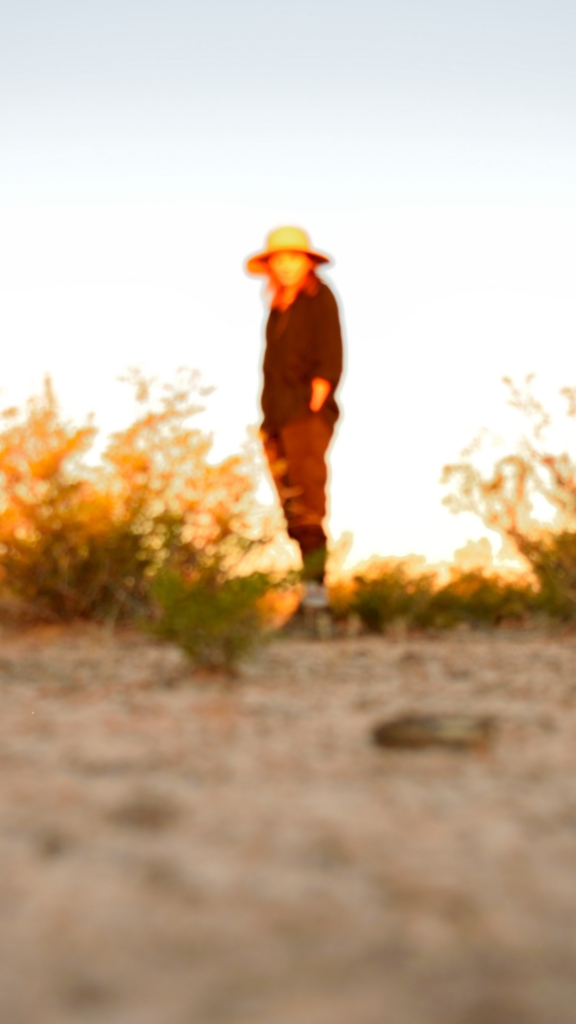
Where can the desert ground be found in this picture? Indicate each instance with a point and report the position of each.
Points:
(184, 848)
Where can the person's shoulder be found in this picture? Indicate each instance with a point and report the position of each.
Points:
(327, 304)
(325, 296)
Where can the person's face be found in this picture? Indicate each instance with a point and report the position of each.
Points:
(290, 268)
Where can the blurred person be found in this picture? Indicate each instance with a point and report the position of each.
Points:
(302, 368)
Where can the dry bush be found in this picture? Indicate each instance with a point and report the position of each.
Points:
(506, 497)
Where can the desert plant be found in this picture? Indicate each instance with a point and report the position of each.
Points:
(388, 590)
(479, 596)
(214, 617)
(84, 542)
(420, 596)
(505, 499)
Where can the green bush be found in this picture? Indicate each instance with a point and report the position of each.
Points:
(477, 596)
(389, 591)
(396, 591)
(213, 617)
(552, 557)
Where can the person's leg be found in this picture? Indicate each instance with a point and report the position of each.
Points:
(278, 466)
(304, 442)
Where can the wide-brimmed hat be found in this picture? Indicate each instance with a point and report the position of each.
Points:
(285, 239)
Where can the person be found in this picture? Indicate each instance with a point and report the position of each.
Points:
(302, 368)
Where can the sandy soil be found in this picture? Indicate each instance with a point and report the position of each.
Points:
(179, 849)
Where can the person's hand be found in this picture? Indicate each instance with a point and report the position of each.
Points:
(320, 390)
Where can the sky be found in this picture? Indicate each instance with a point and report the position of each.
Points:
(429, 147)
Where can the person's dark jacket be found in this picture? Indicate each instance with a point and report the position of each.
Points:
(303, 342)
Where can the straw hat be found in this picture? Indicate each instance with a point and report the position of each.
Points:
(286, 239)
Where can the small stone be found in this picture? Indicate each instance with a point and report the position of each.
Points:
(147, 811)
(457, 732)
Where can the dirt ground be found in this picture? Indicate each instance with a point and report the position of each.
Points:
(182, 849)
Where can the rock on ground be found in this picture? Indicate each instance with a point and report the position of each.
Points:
(184, 849)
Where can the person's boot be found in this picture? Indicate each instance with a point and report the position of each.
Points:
(315, 612)
(315, 597)
(313, 617)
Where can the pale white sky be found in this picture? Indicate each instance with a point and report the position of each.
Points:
(146, 149)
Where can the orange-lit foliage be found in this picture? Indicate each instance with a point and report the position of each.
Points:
(505, 501)
(480, 596)
(156, 532)
(388, 590)
(77, 541)
(409, 592)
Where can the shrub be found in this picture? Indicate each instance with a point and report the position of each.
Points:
(393, 590)
(84, 542)
(215, 618)
(552, 557)
(478, 596)
(389, 590)
(505, 499)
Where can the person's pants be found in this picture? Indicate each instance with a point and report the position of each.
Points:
(297, 459)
